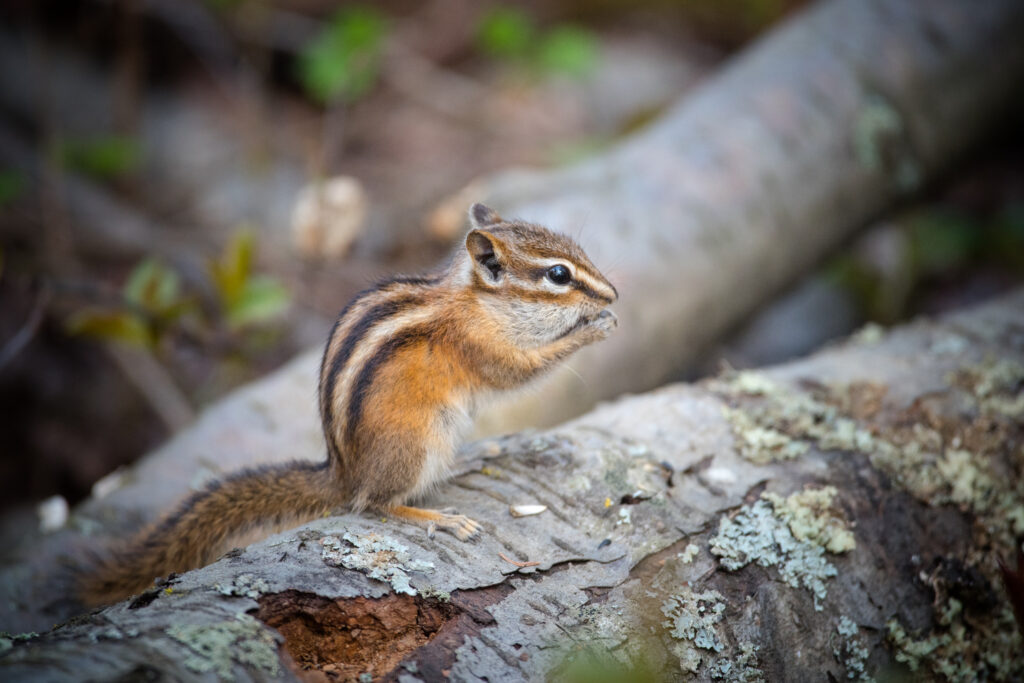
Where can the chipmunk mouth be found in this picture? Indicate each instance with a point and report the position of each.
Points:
(583, 321)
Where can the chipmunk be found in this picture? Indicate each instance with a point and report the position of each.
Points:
(405, 365)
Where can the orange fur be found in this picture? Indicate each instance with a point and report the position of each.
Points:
(398, 383)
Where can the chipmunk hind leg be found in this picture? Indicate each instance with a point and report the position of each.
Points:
(460, 526)
(408, 457)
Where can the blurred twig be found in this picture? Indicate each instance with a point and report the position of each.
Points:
(20, 340)
(154, 383)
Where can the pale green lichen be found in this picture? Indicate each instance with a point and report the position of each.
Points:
(757, 535)
(742, 669)
(869, 334)
(7, 640)
(998, 386)
(811, 517)
(850, 651)
(753, 383)
(961, 650)
(762, 445)
(689, 552)
(882, 145)
(112, 633)
(967, 481)
(955, 453)
(216, 648)
(379, 557)
(243, 585)
(919, 458)
(692, 619)
(431, 592)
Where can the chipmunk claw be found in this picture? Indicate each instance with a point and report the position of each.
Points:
(461, 526)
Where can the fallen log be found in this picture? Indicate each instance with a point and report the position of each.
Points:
(826, 122)
(841, 516)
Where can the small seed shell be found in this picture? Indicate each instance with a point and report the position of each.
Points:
(526, 510)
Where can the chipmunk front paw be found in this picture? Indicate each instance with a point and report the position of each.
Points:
(601, 325)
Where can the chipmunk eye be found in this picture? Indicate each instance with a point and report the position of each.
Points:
(559, 274)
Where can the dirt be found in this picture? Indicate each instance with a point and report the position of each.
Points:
(340, 640)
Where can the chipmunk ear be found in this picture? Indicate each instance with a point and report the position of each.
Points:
(485, 250)
(482, 216)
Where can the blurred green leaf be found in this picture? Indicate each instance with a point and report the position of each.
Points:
(231, 271)
(102, 157)
(568, 50)
(119, 326)
(506, 33)
(343, 62)
(509, 33)
(1007, 241)
(570, 152)
(262, 299)
(153, 287)
(591, 665)
(12, 184)
(942, 241)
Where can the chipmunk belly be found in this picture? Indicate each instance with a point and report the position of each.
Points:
(452, 424)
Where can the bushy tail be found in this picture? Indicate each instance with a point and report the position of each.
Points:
(198, 531)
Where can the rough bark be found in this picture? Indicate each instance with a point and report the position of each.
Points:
(838, 516)
(819, 127)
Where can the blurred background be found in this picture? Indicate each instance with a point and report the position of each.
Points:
(191, 189)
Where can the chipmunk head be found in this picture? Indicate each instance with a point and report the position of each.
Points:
(538, 284)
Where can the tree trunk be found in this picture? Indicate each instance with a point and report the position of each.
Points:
(841, 516)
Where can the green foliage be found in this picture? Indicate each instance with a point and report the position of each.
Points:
(262, 299)
(12, 185)
(244, 297)
(343, 61)
(155, 288)
(942, 241)
(572, 151)
(155, 301)
(1008, 237)
(938, 242)
(568, 50)
(506, 33)
(509, 34)
(120, 326)
(103, 157)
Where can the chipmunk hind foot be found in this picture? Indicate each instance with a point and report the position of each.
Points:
(460, 526)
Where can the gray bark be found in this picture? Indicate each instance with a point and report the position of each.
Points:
(919, 432)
